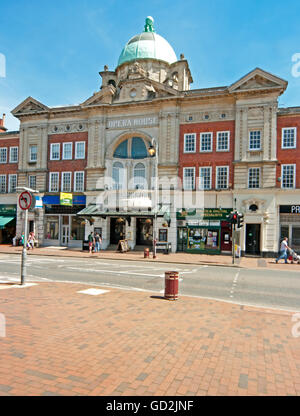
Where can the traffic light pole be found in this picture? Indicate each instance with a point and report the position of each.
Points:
(233, 242)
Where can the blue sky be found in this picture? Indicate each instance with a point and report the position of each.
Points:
(54, 50)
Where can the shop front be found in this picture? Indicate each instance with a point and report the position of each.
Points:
(204, 231)
(290, 225)
(7, 223)
(62, 227)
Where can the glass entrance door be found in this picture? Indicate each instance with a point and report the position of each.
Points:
(65, 230)
(253, 239)
(182, 235)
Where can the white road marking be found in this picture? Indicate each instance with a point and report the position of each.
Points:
(93, 292)
(233, 287)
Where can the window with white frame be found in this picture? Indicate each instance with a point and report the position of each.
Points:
(188, 178)
(2, 184)
(13, 154)
(288, 140)
(67, 151)
(189, 143)
(66, 181)
(80, 150)
(255, 140)
(118, 175)
(139, 174)
(253, 178)
(12, 183)
(32, 181)
(206, 142)
(223, 141)
(3, 154)
(54, 151)
(222, 177)
(288, 175)
(205, 178)
(78, 181)
(33, 153)
(53, 182)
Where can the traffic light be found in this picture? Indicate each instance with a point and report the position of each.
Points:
(232, 217)
(240, 220)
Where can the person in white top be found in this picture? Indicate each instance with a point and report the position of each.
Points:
(283, 250)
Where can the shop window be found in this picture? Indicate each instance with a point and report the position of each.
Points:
(52, 227)
(203, 239)
(163, 235)
(284, 232)
(77, 229)
(296, 236)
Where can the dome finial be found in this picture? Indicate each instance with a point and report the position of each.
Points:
(149, 24)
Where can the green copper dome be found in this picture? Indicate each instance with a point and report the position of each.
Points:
(147, 45)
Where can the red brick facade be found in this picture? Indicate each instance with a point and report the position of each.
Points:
(210, 159)
(73, 165)
(9, 168)
(288, 156)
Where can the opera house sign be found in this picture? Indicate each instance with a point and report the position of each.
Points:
(132, 122)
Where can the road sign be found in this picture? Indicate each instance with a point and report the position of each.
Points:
(25, 200)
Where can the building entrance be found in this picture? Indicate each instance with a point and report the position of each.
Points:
(253, 239)
(144, 231)
(117, 230)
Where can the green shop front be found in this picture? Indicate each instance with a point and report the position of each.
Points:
(7, 223)
(205, 231)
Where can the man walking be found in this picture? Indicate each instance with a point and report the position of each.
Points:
(97, 242)
(91, 242)
(283, 250)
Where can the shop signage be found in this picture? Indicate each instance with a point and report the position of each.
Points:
(289, 209)
(132, 122)
(66, 199)
(8, 210)
(206, 213)
(55, 200)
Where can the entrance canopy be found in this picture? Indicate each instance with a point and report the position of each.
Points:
(94, 210)
(5, 220)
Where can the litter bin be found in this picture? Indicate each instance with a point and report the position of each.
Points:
(85, 245)
(171, 285)
(146, 253)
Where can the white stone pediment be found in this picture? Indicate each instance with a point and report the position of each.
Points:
(29, 106)
(103, 96)
(258, 80)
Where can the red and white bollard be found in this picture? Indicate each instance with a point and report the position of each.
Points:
(171, 285)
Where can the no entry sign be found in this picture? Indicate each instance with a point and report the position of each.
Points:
(25, 200)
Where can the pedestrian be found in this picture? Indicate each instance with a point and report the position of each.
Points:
(283, 250)
(97, 242)
(30, 241)
(91, 242)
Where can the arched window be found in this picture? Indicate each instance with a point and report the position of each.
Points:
(118, 175)
(138, 148)
(139, 176)
(122, 150)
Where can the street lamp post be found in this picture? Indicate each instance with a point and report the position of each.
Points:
(153, 152)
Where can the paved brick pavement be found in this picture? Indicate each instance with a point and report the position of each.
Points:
(185, 258)
(61, 342)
